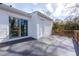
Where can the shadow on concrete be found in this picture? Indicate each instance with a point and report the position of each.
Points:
(3, 44)
(76, 47)
(39, 52)
(34, 48)
(23, 53)
(26, 51)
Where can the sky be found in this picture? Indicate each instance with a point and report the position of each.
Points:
(57, 10)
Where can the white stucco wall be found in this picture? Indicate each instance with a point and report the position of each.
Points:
(37, 26)
(44, 27)
(4, 25)
(14, 14)
(33, 26)
(40, 27)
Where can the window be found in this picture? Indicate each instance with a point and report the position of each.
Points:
(23, 28)
(17, 27)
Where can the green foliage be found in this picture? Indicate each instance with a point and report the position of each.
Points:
(65, 27)
(56, 26)
(71, 26)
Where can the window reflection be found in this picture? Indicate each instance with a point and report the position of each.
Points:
(17, 27)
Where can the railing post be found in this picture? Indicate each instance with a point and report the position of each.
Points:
(75, 37)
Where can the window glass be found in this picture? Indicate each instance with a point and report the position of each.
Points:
(17, 27)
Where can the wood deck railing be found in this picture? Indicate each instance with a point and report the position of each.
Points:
(76, 36)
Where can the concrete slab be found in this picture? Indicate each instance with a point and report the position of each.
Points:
(46, 46)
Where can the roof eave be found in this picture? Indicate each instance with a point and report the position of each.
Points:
(44, 16)
(14, 10)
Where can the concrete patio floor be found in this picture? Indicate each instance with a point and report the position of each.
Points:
(46, 46)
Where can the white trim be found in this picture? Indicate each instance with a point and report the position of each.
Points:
(43, 15)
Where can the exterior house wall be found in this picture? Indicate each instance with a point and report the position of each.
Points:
(44, 27)
(4, 25)
(33, 23)
(40, 26)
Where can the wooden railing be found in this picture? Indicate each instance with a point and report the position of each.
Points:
(76, 35)
(69, 33)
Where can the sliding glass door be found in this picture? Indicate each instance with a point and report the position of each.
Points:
(18, 27)
(24, 27)
(13, 27)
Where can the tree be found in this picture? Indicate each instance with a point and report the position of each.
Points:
(73, 12)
